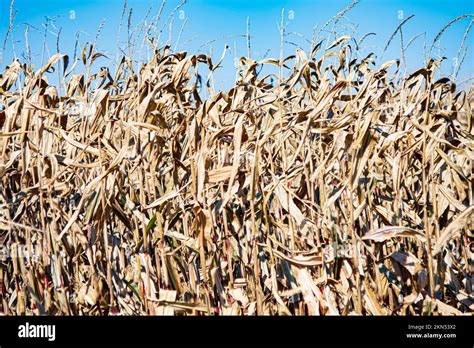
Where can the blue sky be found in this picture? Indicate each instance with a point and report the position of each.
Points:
(225, 22)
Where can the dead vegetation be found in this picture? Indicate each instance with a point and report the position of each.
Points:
(338, 188)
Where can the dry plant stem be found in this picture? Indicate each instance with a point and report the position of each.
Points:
(9, 30)
(393, 35)
(248, 37)
(441, 32)
(426, 196)
(460, 57)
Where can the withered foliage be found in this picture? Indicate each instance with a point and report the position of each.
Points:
(335, 188)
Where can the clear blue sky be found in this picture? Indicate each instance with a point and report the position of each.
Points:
(213, 19)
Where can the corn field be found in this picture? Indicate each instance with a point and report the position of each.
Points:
(333, 186)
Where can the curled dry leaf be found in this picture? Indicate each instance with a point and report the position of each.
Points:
(388, 232)
(409, 261)
(463, 220)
